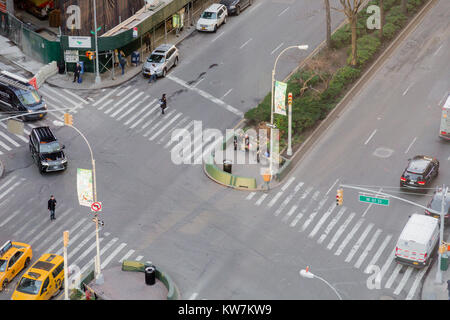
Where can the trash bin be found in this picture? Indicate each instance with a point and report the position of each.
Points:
(82, 66)
(135, 57)
(444, 262)
(150, 275)
(227, 166)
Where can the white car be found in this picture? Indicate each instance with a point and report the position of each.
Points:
(212, 18)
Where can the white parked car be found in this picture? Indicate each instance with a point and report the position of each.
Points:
(212, 18)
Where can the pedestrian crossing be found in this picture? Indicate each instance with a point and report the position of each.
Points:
(31, 226)
(343, 232)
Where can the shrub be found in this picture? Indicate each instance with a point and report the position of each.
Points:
(413, 5)
(389, 30)
(342, 37)
(366, 47)
(388, 4)
(343, 77)
(261, 112)
(395, 16)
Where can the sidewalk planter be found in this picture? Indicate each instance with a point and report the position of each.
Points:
(444, 262)
(228, 179)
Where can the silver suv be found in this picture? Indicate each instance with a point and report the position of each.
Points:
(163, 57)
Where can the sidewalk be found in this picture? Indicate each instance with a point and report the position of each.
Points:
(14, 55)
(432, 290)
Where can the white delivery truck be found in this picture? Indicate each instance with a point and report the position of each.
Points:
(444, 131)
(417, 241)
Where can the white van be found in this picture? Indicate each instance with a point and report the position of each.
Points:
(444, 131)
(417, 240)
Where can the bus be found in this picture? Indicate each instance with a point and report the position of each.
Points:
(444, 131)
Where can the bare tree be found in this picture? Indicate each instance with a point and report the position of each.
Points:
(328, 18)
(404, 8)
(350, 8)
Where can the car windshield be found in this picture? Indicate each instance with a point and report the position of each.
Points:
(50, 147)
(209, 15)
(156, 58)
(29, 97)
(3, 264)
(29, 286)
(436, 203)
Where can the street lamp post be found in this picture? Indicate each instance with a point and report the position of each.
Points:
(301, 47)
(305, 273)
(97, 72)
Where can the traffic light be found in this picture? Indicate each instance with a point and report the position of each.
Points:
(340, 197)
(66, 238)
(90, 55)
(68, 120)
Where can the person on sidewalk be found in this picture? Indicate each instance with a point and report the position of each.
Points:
(163, 103)
(122, 61)
(147, 42)
(51, 207)
(152, 73)
(76, 73)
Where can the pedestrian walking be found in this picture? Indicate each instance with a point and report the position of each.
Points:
(247, 143)
(76, 74)
(116, 58)
(51, 207)
(122, 61)
(163, 103)
(147, 42)
(152, 73)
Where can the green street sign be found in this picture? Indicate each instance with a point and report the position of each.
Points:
(374, 199)
(98, 29)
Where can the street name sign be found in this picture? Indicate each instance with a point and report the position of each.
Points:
(375, 199)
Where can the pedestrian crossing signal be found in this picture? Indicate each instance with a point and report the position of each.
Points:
(90, 55)
(68, 120)
(340, 197)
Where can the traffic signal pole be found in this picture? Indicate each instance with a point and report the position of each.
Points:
(97, 72)
(441, 235)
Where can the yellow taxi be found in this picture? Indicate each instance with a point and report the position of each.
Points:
(14, 257)
(43, 280)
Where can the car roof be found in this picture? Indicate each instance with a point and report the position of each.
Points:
(12, 247)
(163, 47)
(418, 164)
(419, 228)
(214, 7)
(44, 134)
(43, 265)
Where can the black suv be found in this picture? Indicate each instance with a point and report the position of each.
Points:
(18, 96)
(419, 172)
(236, 6)
(46, 150)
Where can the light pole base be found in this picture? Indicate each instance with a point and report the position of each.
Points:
(289, 152)
(100, 279)
(98, 79)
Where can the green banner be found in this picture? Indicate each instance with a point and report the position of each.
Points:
(84, 187)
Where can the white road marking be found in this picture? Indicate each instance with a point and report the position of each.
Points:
(275, 199)
(5, 146)
(331, 225)
(67, 222)
(9, 139)
(144, 116)
(7, 182)
(314, 213)
(227, 93)
(207, 96)
(107, 103)
(368, 248)
(416, 283)
(80, 245)
(126, 104)
(370, 205)
(17, 135)
(349, 237)
(182, 130)
(141, 111)
(48, 228)
(61, 95)
(340, 231)
(139, 258)
(287, 184)
(121, 92)
(123, 115)
(410, 145)
(75, 96)
(279, 46)
(322, 220)
(112, 255)
(162, 119)
(373, 133)
(296, 219)
(10, 217)
(332, 187)
(200, 80)
(106, 247)
(358, 243)
(282, 12)
(126, 256)
(436, 52)
(153, 137)
(121, 101)
(288, 199)
(378, 253)
(261, 199)
(193, 296)
(218, 36)
(72, 239)
(385, 267)
(9, 189)
(407, 89)
(245, 43)
(394, 275)
(176, 126)
(208, 149)
(250, 196)
(402, 283)
(104, 97)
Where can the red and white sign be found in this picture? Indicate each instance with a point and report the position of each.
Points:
(96, 206)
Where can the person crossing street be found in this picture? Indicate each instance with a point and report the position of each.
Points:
(51, 207)
(163, 103)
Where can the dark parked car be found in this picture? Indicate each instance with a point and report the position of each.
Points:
(18, 96)
(419, 173)
(46, 151)
(236, 6)
(436, 204)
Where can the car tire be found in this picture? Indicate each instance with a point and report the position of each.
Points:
(238, 10)
(215, 28)
(41, 169)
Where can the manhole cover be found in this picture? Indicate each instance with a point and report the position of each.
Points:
(383, 152)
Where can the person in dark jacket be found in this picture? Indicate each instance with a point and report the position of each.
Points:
(51, 207)
(76, 74)
(163, 103)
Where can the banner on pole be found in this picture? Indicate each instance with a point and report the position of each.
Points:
(280, 97)
(84, 187)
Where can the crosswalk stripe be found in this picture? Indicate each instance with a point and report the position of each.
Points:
(194, 143)
(173, 140)
(275, 199)
(139, 258)
(305, 208)
(9, 190)
(50, 226)
(250, 196)
(17, 135)
(125, 105)
(402, 283)
(5, 146)
(7, 182)
(81, 244)
(331, 225)
(32, 226)
(123, 115)
(359, 242)
(288, 199)
(9, 139)
(394, 275)
(416, 283)
(86, 252)
(10, 217)
(106, 104)
(59, 94)
(340, 231)
(55, 105)
(208, 150)
(122, 91)
(112, 255)
(1, 153)
(378, 253)
(120, 101)
(90, 261)
(368, 248)
(321, 221)
(172, 120)
(73, 238)
(385, 267)
(314, 213)
(104, 97)
(148, 105)
(287, 184)
(126, 256)
(289, 214)
(349, 237)
(144, 116)
(75, 96)
(58, 231)
(176, 126)
(161, 121)
(261, 199)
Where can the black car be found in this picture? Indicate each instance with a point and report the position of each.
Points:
(46, 150)
(18, 96)
(436, 205)
(419, 173)
(236, 6)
